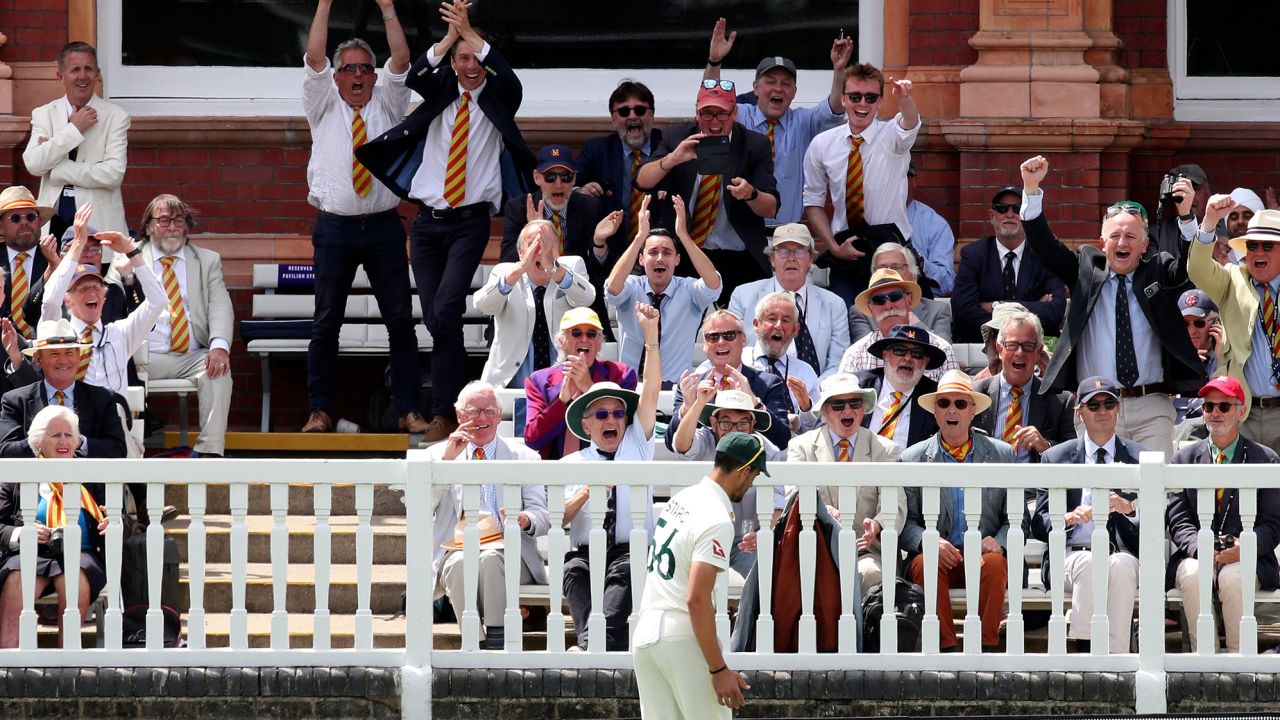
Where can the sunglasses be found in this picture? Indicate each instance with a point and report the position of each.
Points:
(890, 297)
(30, 217)
(1222, 407)
(356, 67)
(902, 350)
(727, 336)
(563, 176)
(1109, 403)
(626, 110)
(1199, 323)
(616, 413)
(591, 334)
(1255, 245)
(944, 403)
(1026, 347)
(1002, 208)
(857, 97)
(840, 405)
(1126, 206)
(730, 425)
(726, 85)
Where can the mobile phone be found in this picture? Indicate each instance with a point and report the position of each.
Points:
(713, 156)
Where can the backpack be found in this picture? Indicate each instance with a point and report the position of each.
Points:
(909, 610)
(134, 634)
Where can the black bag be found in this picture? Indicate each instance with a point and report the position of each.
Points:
(909, 610)
(135, 627)
(133, 573)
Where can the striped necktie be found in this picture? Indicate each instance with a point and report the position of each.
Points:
(706, 208)
(558, 224)
(637, 197)
(842, 451)
(854, 201)
(86, 354)
(1270, 321)
(19, 287)
(179, 329)
(55, 515)
(769, 129)
(59, 398)
(361, 180)
(455, 171)
(1014, 418)
(886, 430)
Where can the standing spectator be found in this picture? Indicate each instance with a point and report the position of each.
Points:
(1247, 205)
(888, 302)
(789, 129)
(445, 157)
(932, 238)
(1204, 327)
(933, 315)
(1167, 234)
(357, 222)
(78, 146)
(608, 165)
(998, 269)
(24, 263)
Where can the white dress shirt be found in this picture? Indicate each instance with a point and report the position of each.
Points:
(884, 401)
(634, 446)
(886, 151)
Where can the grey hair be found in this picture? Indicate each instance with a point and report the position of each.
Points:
(543, 225)
(773, 297)
(1022, 318)
(722, 313)
(898, 247)
(472, 388)
(40, 425)
(353, 43)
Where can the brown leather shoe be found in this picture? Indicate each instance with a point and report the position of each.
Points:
(318, 422)
(438, 429)
(414, 423)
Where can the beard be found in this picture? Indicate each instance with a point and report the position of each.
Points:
(170, 242)
(23, 240)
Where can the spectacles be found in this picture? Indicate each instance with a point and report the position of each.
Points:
(902, 350)
(626, 110)
(1026, 347)
(1126, 206)
(789, 253)
(1199, 323)
(591, 334)
(616, 414)
(840, 405)
(488, 411)
(167, 220)
(30, 217)
(892, 296)
(1109, 403)
(1250, 245)
(711, 115)
(1222, 407)
(944, 403)
(900, 268)
(730, 425)
(1002, 208)
(857, 97)
(564, 176)
(727, 336)
(356, 67)
(726, 85)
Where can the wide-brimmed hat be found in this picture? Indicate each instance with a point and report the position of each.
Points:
(736, 400)
(884, 279)
(17, 197)
(490, 533)
(953, 382)
(1000, 314)
(54, 335)
(1263, 227)
(843, 384)
(910, 335)
(573, 415)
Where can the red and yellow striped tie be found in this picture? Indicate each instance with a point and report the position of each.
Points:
(725, 382)
(842, 451)
(1014, 418)
(558, 224)
(959, 453)
(1269, 320)
(637, 197)
(706, 208)
(86, 354)
(361, 180)
(455, 171)
(773, 149)
(855, 203)
(55, 515)
(59, 398)
(179, 329)
(886, 430)
(478, 454)
(18, 295)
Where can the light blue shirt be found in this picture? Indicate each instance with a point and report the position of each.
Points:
(681, 311)
(931, 236)
(1097, 354)
(795, 130)
(1002, 411)
(1257, 369)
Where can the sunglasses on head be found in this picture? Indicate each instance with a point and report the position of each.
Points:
(626, 110)
(1108, 403)
(18, 217)
(857, 97)
(354, 67)
(727, 336)
(616, 413)
(562, 176)
(902, 350)
(840, 405)
(1254, 245)
(1222, 407)
(578, 333)
(1126, 206)
(1002, 208)
(944, 403)
(726, 85)
(886, 298)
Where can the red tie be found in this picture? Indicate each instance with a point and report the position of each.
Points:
(706, 208)
(854, 202)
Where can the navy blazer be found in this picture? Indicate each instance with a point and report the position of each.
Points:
(601, 162)
(1154, 282)
(753, 161)
(1183, 519)
(767, 387)
(395, 156)
(1053, 414)
(923, 423)
(95, 406)
(980, 278)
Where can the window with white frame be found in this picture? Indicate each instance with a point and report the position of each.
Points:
(1222, 63)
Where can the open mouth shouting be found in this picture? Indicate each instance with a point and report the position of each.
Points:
(609, 433)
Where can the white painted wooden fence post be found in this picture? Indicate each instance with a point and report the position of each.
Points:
(415, 676)
(279, 566)
(1248, 498)
(557, 546)
(891, 498)
(512, 623)
(1100, 566)
(1057, 570)
(364, 565)
(322, 549)
(848, 564)
(764, 572)
(1149, 682)
(155, 565)
(27, 550)
(239, 495)
(71, 559)
(930, 627)
(115, 546)
(973, 567)
(808, 640)
(1015, 547)
(197, 535)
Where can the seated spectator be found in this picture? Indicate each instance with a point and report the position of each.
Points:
(54, 433)
(897, 417)
(581, 228)
(477, 439)
(680, 301)
(57, 352)
(822, 333)
(932, 238)
(776, 324)
(1097, 406)
(550, 390)
(723, 340)
(526, 299)
(1022, 413)
(114, 307)
(618, 423)
(954, 405)
(991, 332)
(1224, 412)
(24, 263)
(888, 302)
(608, 164)
(932, 315)
(842, 407)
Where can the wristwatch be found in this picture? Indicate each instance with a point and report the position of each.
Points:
(754, 194)
(134, 253)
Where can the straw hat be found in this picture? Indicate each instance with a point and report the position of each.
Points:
(17, 197)
(843, 384)
(490, 533)
(54, 335)
(735, 400)
(885, 279)
(1263, 227)
(952, 382)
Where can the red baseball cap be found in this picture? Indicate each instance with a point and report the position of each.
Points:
(716, 97)
(1226, 385)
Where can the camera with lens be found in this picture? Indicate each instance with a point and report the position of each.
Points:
(53, 548)
(1224, 542)
(1166, 188)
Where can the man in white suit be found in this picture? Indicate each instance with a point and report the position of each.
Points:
(841, 406)
(192, 338)
(477, 439)
(823, 333)
(78, 146)
(526, 300)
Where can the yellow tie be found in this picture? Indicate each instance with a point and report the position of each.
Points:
(771, 125)
(361, 180)
(1014, 418)
(854, 202)
(86, 354)
(886, 430)
(706, 208)
(478, 454)
(179, 329)
(59, 398)
(18, 295)
(842, 451)
(455, 171)
(559, 226)
(637, 197)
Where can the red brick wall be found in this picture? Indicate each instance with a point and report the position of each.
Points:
(37, 29)
(1142, 25)
(939, 32)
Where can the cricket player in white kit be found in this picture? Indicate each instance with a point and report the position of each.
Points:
(680, 669)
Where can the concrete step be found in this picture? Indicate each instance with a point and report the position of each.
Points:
(217, 497)
(388, 583)
(388, 538)
(388, 631)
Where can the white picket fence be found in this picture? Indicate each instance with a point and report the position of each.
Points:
(422, 480)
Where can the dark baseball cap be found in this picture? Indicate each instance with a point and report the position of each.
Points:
(1096, 385)
(776, 61)
(1009, 190)
(1192, 172)
(745, 448)
(69, 236)
(1197, 303)
(554, 156)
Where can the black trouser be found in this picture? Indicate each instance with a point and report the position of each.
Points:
(340, 245)
(617, 594)
(446, 247)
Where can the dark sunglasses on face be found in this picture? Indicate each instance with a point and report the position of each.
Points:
(840, 405)
(944, 403)
(902, 350)
(1254, 245)
(1002, 208)
(1109, 403)
(886, 298)
(1222, 407)
(564, 176)
(591, 334)
(727, 336)
(626, 110)
(617, 413)
(356, 67)
(30, 217)
(1199, 323)
(726, 85)
(857, 97)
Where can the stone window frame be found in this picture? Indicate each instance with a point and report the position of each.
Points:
(1236, 99)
